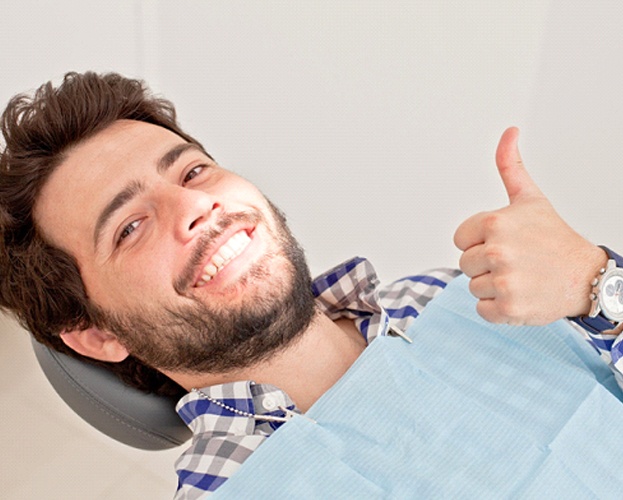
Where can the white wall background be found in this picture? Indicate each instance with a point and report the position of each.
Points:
(373, 124)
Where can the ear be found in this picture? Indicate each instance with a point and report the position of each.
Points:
(95, 343)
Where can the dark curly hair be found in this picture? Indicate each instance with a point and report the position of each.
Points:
(40, 284)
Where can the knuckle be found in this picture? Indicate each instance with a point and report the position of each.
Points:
(507, 303)
(507, 310)
(492, 222)
(502, 285)
(495, 254)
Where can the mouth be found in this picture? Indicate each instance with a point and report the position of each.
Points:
(223, 255)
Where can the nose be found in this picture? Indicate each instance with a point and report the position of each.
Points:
(189, 211)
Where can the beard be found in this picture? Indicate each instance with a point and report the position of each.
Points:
(217, 338)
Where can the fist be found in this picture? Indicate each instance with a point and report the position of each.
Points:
(527, 265)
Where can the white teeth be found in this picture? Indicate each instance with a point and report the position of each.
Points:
(210, 270)
(226, 252)
(218, 260)
(230, 249)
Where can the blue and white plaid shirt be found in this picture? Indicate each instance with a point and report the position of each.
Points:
(222, 439)
(610, 347)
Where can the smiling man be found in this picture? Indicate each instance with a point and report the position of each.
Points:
(125, 244)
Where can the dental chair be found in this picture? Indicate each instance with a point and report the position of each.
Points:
(126, 414)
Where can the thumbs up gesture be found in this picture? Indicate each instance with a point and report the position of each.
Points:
(527, 266)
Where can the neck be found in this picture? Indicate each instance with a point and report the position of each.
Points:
(305, 370)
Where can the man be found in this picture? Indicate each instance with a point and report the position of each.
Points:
(125, 243)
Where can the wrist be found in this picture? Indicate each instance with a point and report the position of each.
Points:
(593, 261)
(605, 316)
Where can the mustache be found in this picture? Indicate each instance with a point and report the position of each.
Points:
(205, 242)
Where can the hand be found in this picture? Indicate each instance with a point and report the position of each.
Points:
(527, 266)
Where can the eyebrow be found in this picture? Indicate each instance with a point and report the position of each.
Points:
(171, 156)
(134, 188)
(121, 199)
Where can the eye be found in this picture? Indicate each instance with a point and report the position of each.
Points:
(194, 172)
(127, 231)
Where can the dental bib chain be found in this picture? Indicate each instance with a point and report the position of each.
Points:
(267, 418)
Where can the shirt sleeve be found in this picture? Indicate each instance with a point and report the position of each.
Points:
(610, 348)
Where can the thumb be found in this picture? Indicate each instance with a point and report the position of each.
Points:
(515, 177)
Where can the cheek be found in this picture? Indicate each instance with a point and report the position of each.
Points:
(141, 280)
(241, 191)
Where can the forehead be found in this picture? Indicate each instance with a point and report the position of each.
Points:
(92, 173)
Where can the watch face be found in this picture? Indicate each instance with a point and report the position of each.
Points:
(612, 296)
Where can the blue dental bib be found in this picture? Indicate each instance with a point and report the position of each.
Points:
(469, 410)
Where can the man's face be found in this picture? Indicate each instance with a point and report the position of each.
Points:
(178, 253)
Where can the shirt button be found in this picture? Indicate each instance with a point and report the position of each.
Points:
(269, 403)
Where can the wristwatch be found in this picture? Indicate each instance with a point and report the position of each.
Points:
(606, 312)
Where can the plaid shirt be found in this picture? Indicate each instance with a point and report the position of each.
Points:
(222, 439)
(610, 347)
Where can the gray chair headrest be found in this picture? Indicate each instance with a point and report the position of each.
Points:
(126, 414)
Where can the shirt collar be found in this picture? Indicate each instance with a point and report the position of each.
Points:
(236, 400)
(350, 290)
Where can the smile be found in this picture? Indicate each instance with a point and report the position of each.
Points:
(233, 247)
